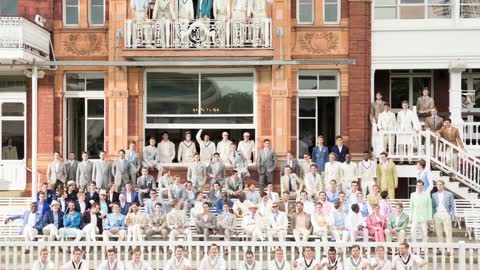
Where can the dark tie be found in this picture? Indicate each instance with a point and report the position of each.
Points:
(290, 184)
(434, 121)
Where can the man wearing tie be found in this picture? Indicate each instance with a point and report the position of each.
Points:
(56, 173)
(120, 171)
(145, 183)
(71, 167)
(266, 164)
(216, 171)
(226, 222)
(277, 225)
(290, 182)
(292, 163)
(424, 104)
(340, 149)
(102, 172)
(9, 151)
(443, 212)
(84, 172)
(434, 122)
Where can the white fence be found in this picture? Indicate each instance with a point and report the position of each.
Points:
(462, 255)
(185, 34)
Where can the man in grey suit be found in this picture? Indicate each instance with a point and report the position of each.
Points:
(71, 166)
(56, 173)
(443, 212)
(216, 171)
(177, 192)
(293, 163)
(226, 222)
(84, 172)
(197, 173)
(266, 164)
(102, 172)
(150, 156)
(206, 222)
(234, 184)
(121, 171)
(145, 183)
(238, 161)
(215, 194)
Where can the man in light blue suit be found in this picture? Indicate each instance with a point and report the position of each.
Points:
(443, 212)
(320, 156)
(204, 9)
(115, 224)
(32, 223)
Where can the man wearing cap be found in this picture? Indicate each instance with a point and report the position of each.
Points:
(247, 147)
(223, 147)
(84, 172)
(207, 147)
(114, 224)
(104, 203)
(166, 149)
(53, 222)
(266, 164)
(252, 224)
(238, 161)
(186, 149)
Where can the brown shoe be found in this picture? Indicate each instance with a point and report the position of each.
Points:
(27, 251)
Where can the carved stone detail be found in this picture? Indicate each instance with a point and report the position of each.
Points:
(119, 93)
(83, 43)
(319, 42)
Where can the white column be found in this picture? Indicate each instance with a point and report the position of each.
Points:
(34, 132)
(455, 94)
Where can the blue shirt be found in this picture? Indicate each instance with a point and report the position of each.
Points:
(332, 196)
(55, 219)
(139, 5)
(338, 219)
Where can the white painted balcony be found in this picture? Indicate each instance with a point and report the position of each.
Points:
(23, 41)
(198, 34)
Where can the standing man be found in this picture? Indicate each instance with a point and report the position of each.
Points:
(348, 172)
(166, 149)
(223, 147)
(216, 171)
(145, 184)
(71, 167)
(424, 104)
(266, 164)
(452, 135)
(387, 178)
(84, 172)
(420, 212)
(237, 159)
(56, 173)
(247, 147)
(425, 175)
(187, 148)
(376, 107)
(407, 125)
(133, 160)
(102, 171)
(340, 149)
(150, 156)
(434, 122)
(366, 173)
(320, 156)
(197, 173)
(207, 147)
(121, 171)
(386, 123)
(443, 212)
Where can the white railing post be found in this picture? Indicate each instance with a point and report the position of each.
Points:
(462, 258)
(428, 149)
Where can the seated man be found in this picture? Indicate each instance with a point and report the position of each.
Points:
(291, 182)
(138, 263)
(252, 195)
(43, 263)
(241, 206)
(252, 224)
(53, 222)
(77, 263)
(249, 263)
(272, 196)
(308, 206)
(42, 205)
(112, 262)
(301, 224)
(234, 184)
(226, 222)
(332, 192)
(215, 194)
(338, 223)
(178, 261)
(92, 222)
(206, 222)
(277, 225)
(152, 201)
(32, 223)
(145, 183)
(131, 196)
(320, 222)
(397, 224)
(114, 224)
(157, 223)
(313, 182)
(124, 205)
(356, 224)
(136, 222)
(71, 223)
(212, 261)
(177, 222)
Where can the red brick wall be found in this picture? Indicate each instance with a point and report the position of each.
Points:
(46, 115)
(359, 77)
(30, 8)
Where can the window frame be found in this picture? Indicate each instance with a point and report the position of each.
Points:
(312, 10)
(462, 5)
(426, 7)
(469, 75)
(90, 14)
(65, 14)
(339, 13)
(86, 95)
(410, 75)
(193, 125)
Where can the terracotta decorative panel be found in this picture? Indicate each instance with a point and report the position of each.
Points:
(83, 44)
(318, 44)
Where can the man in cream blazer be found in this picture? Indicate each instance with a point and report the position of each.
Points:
(291, 182)
(386, 123)
(56, 172)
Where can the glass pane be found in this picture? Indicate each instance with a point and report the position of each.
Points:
(97, 15)
(464, 84)
(331, 13)
(412, 1)
(200, 120)
(76, 126)
(13, 109)
(75, 82)
(385, 13)
(72, 2)
(306, 107)
(12, 84)
(9, 8)
(399, 92)
(470, 11)
(418, 85)
(96, 108)
(307, 82)
(328, 82)
(305, 13)
(385, 3)
(97, 2)
(439, 12)
(306, 135)
(95, 81)
(476, 86)
(71, 15)
(13, 139)
(95, 137)
(172, 93)
(227, 93)
(412, 12)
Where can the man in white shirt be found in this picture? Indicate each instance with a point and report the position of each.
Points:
(223, 147)
(43, 263)
(279, 263)
(136, 222)
(197, 173)
(366, 173)
(252, 195)
(356, 224)
(278, 224)
(348, 172)
(272, 196)
(356, 261)
(380, 261)
(247, 147)
(332, 262)
(386, 124)
(407, 126)
(307, 262)
(77, 263)
(407, 260)
(213, 261)
(207, 147)
(137, 263)
(308, 206)
(252, 224)
(332, 169)
(178, 261)
(249, 263)
(166, 149)
(352, 193)
(111, 262)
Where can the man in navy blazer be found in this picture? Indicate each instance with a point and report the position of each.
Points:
(91, 195)
(42, 205)
(50, 195)
(124, 205)
(443, 212)
(204, 9)
(339, 149)
(32, 223)
(130, 195)
(320, 155)
(53, 221)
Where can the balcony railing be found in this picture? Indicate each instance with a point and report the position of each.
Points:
(198, 34)
(21, 39)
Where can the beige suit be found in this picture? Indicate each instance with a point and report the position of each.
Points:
(277, 226)
(84, 174)
(387, 179)
(9, 152)
(102, 173)
(197, 174)
(424, 106)
(452, 135)
(434, 127)
(204, 225)
(376, 108)
(177, 223)
(56, 173)
(226, 224)
(296, 184)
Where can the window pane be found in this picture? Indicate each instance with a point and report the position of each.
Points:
(385, 3)
(95, 81)
(307, 82)
(328, 82)
(227, 93)
(76, 126)
(385, 13)
(96, 15)
(306, 130)
(9, 8)
(97, 2)
(75, 82)
(476, 87)
(412, 12)
(13, 109)
(95, 108)
(13, 139)
(418, 85)
(305, 13)
(172, 93)
(331, 13)
(12, 84)
(412, 1)
(200, 120)
(95, 137)
(439, 12)
(72, 15)
(306, 107)
(72, 2)
(399, 91)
